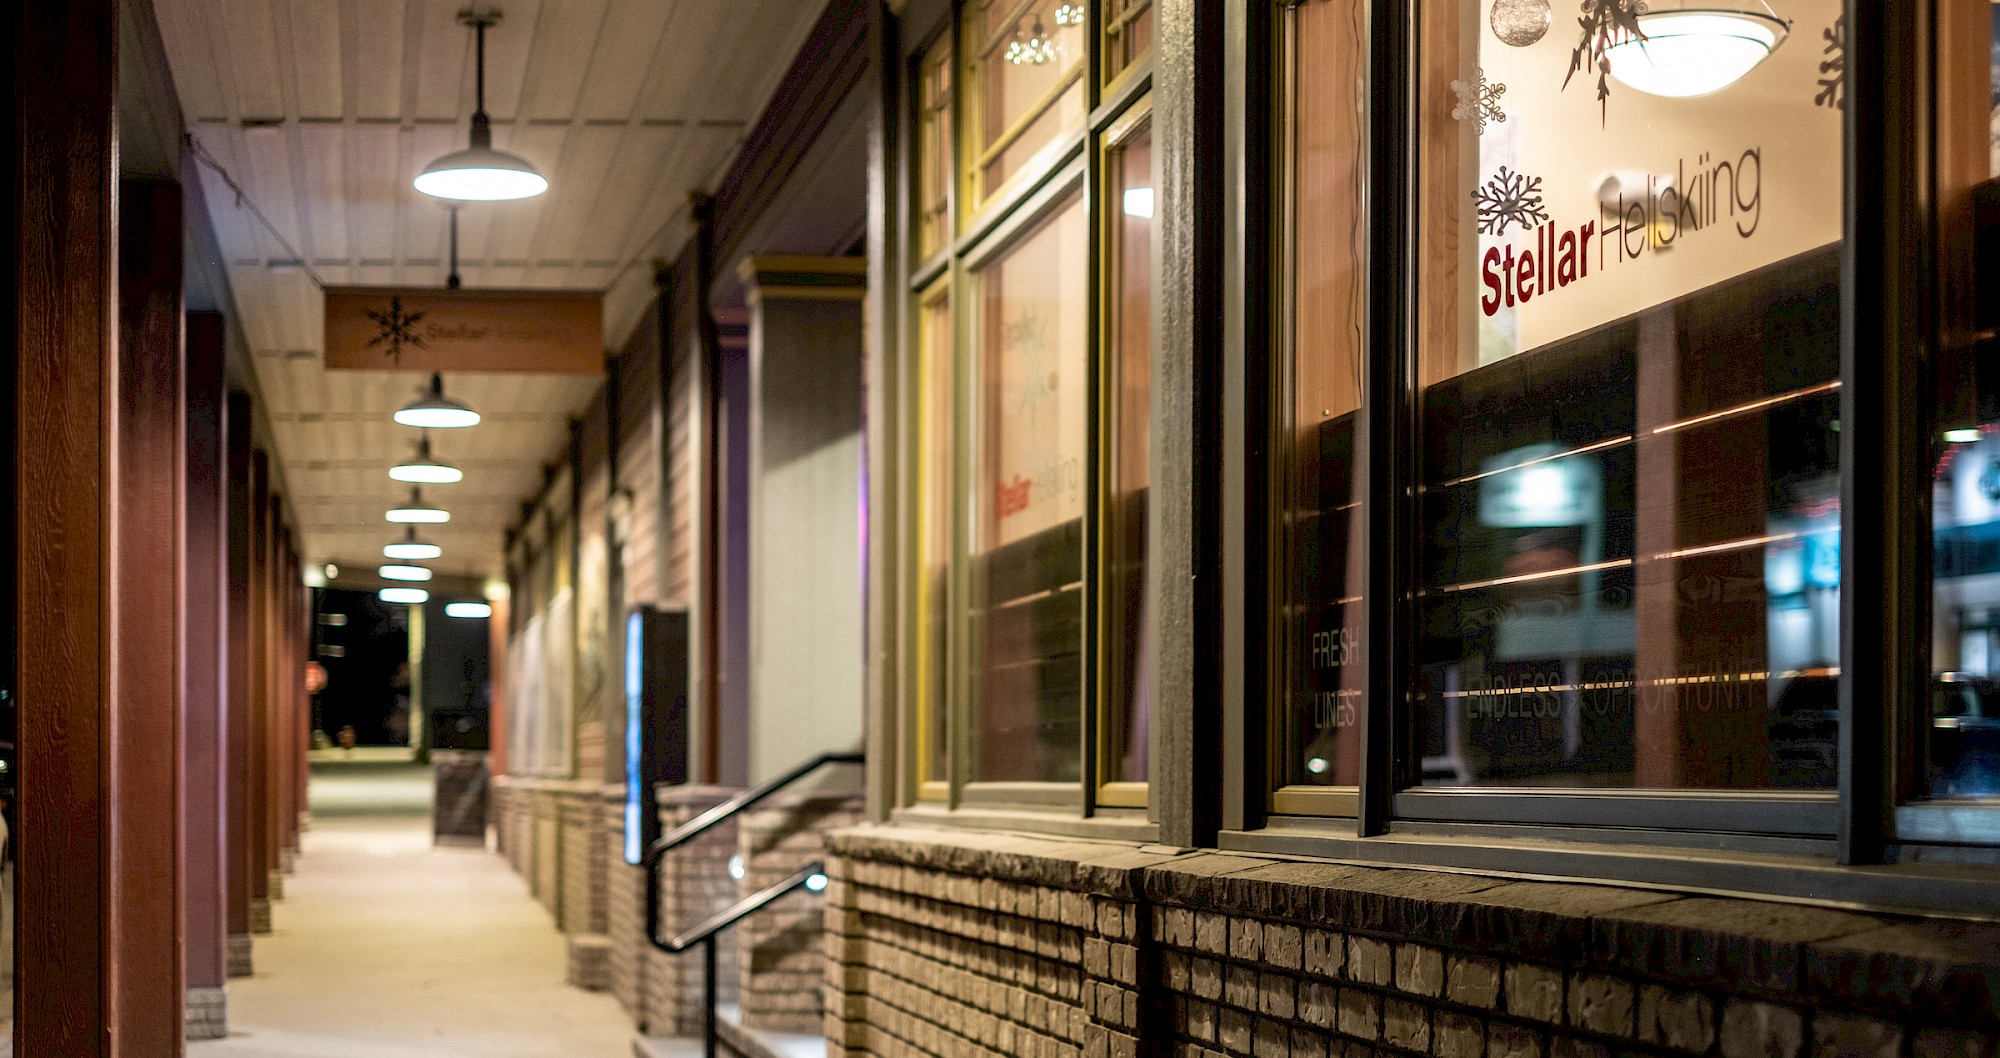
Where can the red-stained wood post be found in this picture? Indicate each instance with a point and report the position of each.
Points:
(204, 727)
(240, 857)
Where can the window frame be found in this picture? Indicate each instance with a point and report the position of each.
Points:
(1390, 797)
(981, 231)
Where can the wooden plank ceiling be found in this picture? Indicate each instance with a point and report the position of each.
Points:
(325, 110)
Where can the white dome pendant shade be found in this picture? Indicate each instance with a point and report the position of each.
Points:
(400, 571)
(424, 470)
(405, 596)
(1694, 51)
(479, 173)
(417, 512)
(410, 548)
(435, 411)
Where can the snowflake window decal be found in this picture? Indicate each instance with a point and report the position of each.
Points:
(1605, 23)
(1510, 198)
(1478, 101)
(1833, 69)
(398, 330)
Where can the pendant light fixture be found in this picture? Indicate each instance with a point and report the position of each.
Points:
(435, 411)
(406, 596)
(1696, 50)
(479, 173)
(418, 512)
(468, 609)
(409, 547)
(399, 571)
(425, 470)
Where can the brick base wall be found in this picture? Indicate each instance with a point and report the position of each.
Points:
(695, 884)
(781, 957)
(952, 943)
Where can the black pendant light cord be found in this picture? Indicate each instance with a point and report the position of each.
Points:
(482, 126)
(451, 281)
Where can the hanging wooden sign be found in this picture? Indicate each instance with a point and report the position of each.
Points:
(389, 329)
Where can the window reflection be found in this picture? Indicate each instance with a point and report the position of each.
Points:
(1030, 435)
(1630, 483)
(1028, 61)
(1128, 461)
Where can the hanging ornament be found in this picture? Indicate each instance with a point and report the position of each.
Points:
(1478, 101)
(1521, 22)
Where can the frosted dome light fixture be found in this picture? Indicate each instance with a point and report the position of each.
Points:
(425, 470)
(409, 547)
(479, 173)
(406, 596)
(435, 411)
(1694, 51)
(417, 512)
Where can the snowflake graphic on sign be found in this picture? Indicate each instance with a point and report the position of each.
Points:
(1478, 101)
(1833, 70)
(1510, 198)
(397, 331)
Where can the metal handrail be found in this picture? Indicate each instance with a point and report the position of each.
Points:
(695, 827)
(705, 933)
(807, 876)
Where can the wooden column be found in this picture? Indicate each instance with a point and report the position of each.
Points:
(238, 856)
(284, 689)
(204, 730)
(63, 257)
(258, 796)
(144, 977)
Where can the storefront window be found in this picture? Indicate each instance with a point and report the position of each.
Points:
(1321, 633)
(1026, 60)
(1128, 32)
(1030, 435)
(1964, 711)
(1628, 367)
(934, 145)
(1128, 165)
(934, 459)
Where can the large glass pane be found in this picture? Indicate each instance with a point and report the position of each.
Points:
(1321, 627)
(1964, 749)
(1128, 32)
(1629, 366)
(933, 549)
(1030, 435)
(1128, 326)
(1026, 58)
(934, 132)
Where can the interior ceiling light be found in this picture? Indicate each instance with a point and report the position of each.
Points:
(467, 609)
(424, 470)
(407, 596)
(418, 512)
(409, 547)
(1033, 50)
(435, 411)
(479, 173)
(397, 571)
(1692, 51)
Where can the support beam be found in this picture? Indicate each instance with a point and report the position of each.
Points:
(204, 727)
(258, 796)
(240, 857)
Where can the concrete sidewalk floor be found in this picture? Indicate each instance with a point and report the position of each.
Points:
(386, 947)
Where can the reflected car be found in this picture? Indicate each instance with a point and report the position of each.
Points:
(1965, 736)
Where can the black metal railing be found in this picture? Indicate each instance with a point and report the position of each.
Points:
(811, 876)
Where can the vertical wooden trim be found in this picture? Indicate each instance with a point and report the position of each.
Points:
(146, 995)
(1387, 411)
(204, 725)
(1885, 480)
(241, 673)
(258, 796)
(1183, 545)
(64, 257)
(709, 540)
(880, 318)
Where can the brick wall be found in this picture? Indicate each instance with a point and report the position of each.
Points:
(951, 943)
(781, 950)
(695, 884)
